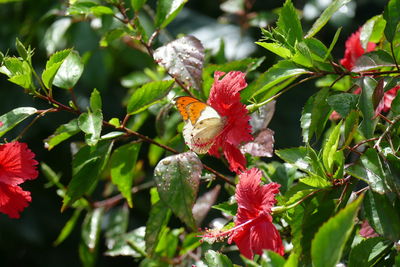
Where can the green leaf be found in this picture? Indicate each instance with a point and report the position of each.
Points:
(111, 36)
(333, 43)
(372, 31)
(216, 259)
(266, 82)
(272, 259)
(315, 115)
(325, 16)
(289, 23)
(129, 244)
(368, 252)
(350, 127)
(117, 224)
(91, 227)
(330, 149)
(328, 244)
(138, 4)
(52, 66)
(51, 175)
(22, 50)
(369, 168)
(69, 72)
(158, 219)
(14, 117)
(87, 166)
(183, 58)
(123, 163)
(91, 124)
(297, 156)
(167, 10)
(392, 17)
(382, 215)
(366, 106)
(372, 61)
(101, 10)
(177, 178)
(18, 72)
(68, 227)
(315, 181)
(62, 133)
(277, 49)
(95, 101)
(343, 103)
(227, 207)
(80, 8)
(148, 95)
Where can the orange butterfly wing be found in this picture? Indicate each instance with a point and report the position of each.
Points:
(189, 107)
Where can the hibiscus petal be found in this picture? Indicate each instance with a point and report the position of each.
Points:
(13, 200)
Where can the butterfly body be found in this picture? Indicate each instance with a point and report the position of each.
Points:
(202, 123)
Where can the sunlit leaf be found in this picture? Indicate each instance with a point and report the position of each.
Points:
(368, 252)
(177, 179)
(183, 58)
(289, 23)
(52, 66)
(167, 10)
(373, 60)
(14, 117)
(128, 244)
(216, 259)
(18, 71)
(62, 133)
(330, 148)
(69, 72)
(148, 95)
(325, 16)
(91, 124)
(68, 227)
(328, 244)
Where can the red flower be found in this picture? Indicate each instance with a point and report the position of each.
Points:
(17, 164)
(254, 230)
(225, 99)
(354, 50)
(386, 101)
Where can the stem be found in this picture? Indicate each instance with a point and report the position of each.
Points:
(280, 209)
(388, 129)
(393, 55)
(41, 113)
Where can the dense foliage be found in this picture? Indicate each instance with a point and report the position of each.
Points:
(173, 166)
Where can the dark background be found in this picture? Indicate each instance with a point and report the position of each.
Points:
(28, 241)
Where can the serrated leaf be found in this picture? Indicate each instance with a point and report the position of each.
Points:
(91, 124)
(18, 72)
(62, 133)
(183, 58)
(315, 181)
(14, 117)
(277, 49)
(325, 17)
(52, 66)
(123, 162)
(87, 165)
(22, 51)
(95, 101)
(167, 10)
(368, 252)
(177, 179)
(69, 72)
(369, 168)
(158, 219)
(343, 103)
(137, 4)
(148, 95)
(328, 244)
(216, 259)
(289, 23)
(366, 106)
(372, 61)
(68, 227)
(382, 215)
(392, 17)
(266, 82)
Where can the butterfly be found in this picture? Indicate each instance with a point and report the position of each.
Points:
(202, 123)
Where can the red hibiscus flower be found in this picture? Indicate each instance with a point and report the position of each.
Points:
(367, 231)
(17, 164)
(225, 99)
(254, 230)
(354, 50)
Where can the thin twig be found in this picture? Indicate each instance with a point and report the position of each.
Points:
(388, 129)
